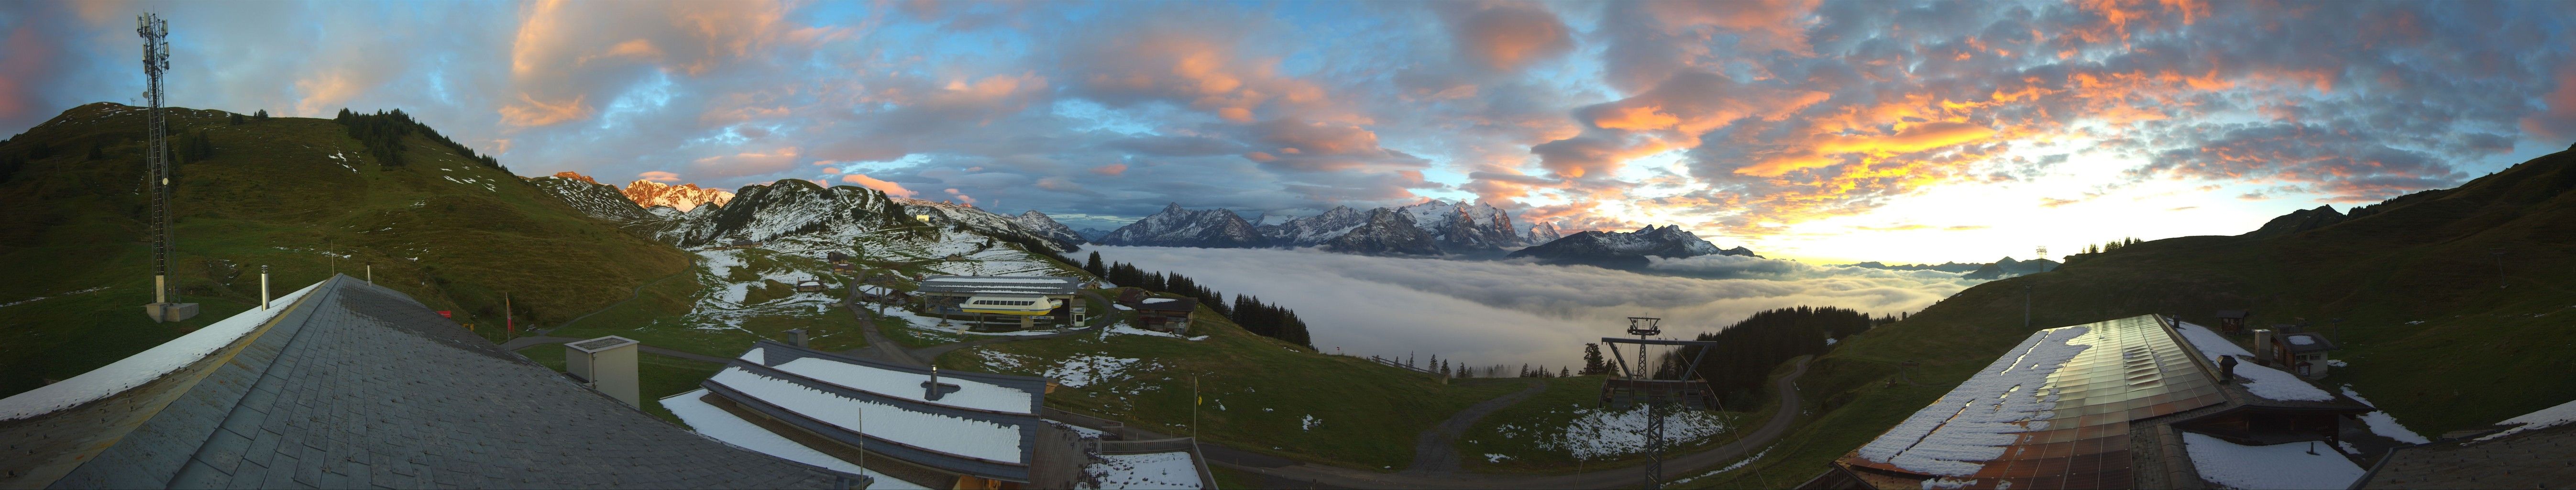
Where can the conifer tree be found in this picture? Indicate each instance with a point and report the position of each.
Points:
(1592, 361)
(1092, 265)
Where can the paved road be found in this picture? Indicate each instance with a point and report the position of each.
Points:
(1284, 473)
(525, 342)
(1436, 450)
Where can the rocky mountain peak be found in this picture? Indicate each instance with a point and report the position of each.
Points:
(683, 197)
(575, 176)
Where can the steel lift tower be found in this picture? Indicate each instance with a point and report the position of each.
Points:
(165, 305)
(1639, 387)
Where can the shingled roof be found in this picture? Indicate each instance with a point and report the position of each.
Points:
(356, 385)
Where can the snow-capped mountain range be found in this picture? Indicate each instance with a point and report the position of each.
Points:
(682, 197)
(1626, 250)
(1176, 227)
(793, 208)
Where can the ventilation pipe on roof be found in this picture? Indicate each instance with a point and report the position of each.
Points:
(263, 288)
(796, 337)
(606, 364)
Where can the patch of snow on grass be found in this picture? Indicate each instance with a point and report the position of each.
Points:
(2274, 466)
(1944, 483)
(1602, 434)
(1087, 370)
(1123, 329)
(143, 367)
(715, 423)
(1495, 458)
(1974, 422)
(30, 300)
(1150, 470)
(1731, 467)
(2337, 363)
(2543, 419)
(2382, 423)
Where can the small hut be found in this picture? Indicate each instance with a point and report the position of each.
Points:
(2232, 321)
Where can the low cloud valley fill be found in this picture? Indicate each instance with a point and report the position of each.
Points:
(1513, 312)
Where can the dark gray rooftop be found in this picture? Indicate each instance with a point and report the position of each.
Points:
(775, 354)
(360, 387)
(982, 285)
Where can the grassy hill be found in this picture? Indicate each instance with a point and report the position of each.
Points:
(2429, 334)
(297, 194)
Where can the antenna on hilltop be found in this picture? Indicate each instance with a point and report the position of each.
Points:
(2043, 252)
(156, 162)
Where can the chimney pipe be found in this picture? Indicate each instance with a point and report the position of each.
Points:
(2263, 346)
(796, 337)
(263, 288)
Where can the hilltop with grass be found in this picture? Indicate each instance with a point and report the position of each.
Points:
(303, 196)
(2452, 307)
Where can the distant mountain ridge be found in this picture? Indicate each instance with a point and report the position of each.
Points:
(1177, 227)
(1954, 267)
(1627, 250)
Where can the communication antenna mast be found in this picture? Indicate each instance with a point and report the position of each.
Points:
(156, 163)
(2043, 252)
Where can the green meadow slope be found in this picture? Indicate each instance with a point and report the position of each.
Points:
(2429, 334)
(296, 194)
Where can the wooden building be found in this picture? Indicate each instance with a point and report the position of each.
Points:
(1161, 314)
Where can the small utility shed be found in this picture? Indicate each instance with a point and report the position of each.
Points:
(974, 430)
(2128, 403)
(2303, 353)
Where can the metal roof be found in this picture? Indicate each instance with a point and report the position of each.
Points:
(1030, 285)
(361, 386)
(775, 354)
(2132, 369)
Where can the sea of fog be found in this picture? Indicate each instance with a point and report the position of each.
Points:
(1513, 312)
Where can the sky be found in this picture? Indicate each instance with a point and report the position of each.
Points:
(1819, 131)
(1514, 312)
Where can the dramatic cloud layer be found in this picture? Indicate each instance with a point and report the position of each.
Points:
(1510, 312)
(1763, 122)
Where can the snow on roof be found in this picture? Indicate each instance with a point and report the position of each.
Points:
(2301, 339)
(715, 423)
(1974, 422)
(959, 436)
(1158, 300)
(2543, 419)
(143, 367)
(2260, 380)
(1149, 470)
(1020, 280)
(970, 394)
(2274, 466)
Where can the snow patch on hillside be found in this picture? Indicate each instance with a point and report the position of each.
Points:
(2382, 423)
(1596, 434)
